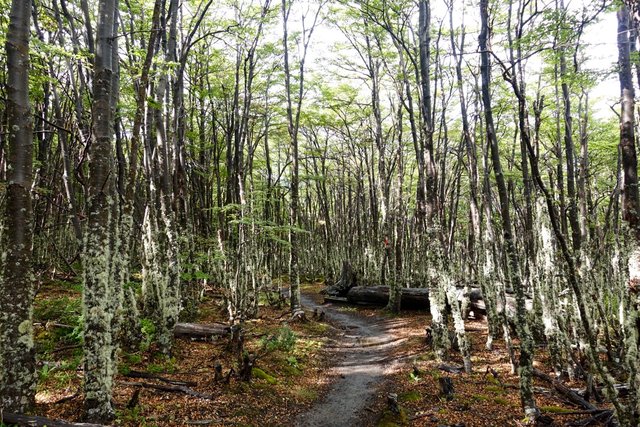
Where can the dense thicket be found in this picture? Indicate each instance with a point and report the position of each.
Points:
(244, 146)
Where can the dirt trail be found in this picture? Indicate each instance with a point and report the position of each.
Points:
(362, 353)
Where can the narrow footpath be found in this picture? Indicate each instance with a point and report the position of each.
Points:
(363, 353)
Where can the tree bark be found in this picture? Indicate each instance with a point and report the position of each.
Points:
(513, 274)
(429, 206)
(18, 378)
(99, 283)
(630, 202)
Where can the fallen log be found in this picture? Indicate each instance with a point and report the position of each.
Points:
(35, 421)
(170, 388)
(348, 279)
(413, 298)
(200, 331)
(148, 376)
(565, 391)
(622, 389)
(418, 298)
(379, 295)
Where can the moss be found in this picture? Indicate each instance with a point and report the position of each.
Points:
(303, 393)
(261, 374)
(410, 396)
(316, 327)
(500, 401)
(493, 380)
(132, 358)
(291, 371)
(494, 389)
(555, 410)
(479, 398)
(391, 419)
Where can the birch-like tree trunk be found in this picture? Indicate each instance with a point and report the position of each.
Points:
(100, 237)
(513, 273)
(293, 127)
(630, 204)
(18, 378)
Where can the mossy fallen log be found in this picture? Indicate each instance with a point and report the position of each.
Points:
(379, 295)
(200, 331)
(411, 298)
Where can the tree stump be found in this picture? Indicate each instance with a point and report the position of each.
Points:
(298, 316)
(347, 280)
(217, 369)
(236, 343)
(446, 387)
(247, 367)
(392, 401)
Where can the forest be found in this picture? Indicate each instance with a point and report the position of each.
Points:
(319, 213)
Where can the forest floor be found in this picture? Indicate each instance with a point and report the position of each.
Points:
(338, 371)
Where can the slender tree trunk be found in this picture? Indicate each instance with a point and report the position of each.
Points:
(294, 273)
(630, 200)
(429, 206)
(513, 274)
(99, 367)
(570, 156)
(18, 378)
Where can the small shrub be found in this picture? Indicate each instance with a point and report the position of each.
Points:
(284, 340)
(148, 333)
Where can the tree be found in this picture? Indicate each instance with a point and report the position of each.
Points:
(630, 198)
(512, 266)
(293, 127)
(18, 378)
(101, 298)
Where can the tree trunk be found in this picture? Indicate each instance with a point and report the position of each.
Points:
(99, 291)
(513, 273)
(630, 201)
(18, 378)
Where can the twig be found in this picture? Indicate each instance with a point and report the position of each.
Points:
(146, 375)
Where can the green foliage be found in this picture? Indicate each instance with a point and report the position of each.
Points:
(414, 377)
(410, 396)
(165, 365)
(63, 310)
(133, 416)
(66, 322)
(284, 340)
(292, 361)
(44, 372)
(148, 333)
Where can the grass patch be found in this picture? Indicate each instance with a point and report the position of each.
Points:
(410, 396)
(500, 401)
(167, 365)
(316, 328)
(64, 310)
(304, 394)
(494, 389)
(556, 410)
(479, 398)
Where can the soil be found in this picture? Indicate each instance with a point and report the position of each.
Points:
(362, 360)
(336, 371)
